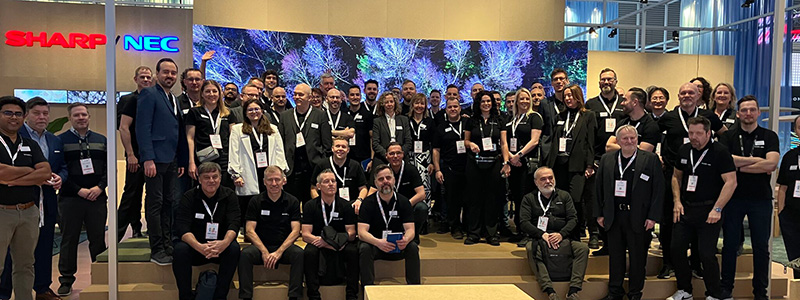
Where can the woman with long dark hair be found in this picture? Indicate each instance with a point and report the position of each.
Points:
(207, 131)
(704, 87)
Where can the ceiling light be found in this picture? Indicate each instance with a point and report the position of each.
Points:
(592, 32)
(675, 36)
(747, 3)
(613, 33)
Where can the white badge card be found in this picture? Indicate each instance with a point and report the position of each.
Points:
(264, 212)
(542, 223)
(417, 146)
(620, 188)
(392, 213)
(261, 160)
(352, 141)
(344, 193)
(199, 216)
(300, 141)
(212, 229)
(513, 144)
(386, 234)
(562, 144)
(686, 140)
(611, 124)
(691, 185)
(487, 144)
(216, 141)
(658, 149)
(796, 192)
(86, 166)
(460, 148)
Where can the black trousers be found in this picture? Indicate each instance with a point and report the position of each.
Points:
(368, 253)
(484, 185)
(130, 204)
(621, 238)
(589, 197)
(790, 229)
(520, 183)
(666, 225)
(311, 262)
(573, 183)
(158, 201)
(186, 257)
(251, 256)
(244, 201)
(759, 216)
(455, 195)
(692, 226)
(299, 185)
(77, 212)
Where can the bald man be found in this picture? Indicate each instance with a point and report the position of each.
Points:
(306, 141)
(342, 124)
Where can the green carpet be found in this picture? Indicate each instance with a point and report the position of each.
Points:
(130, 250)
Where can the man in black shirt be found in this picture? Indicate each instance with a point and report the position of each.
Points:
(351, 179)
(341, 123)
(408, 183)
(329, 219)
(756, 152)
(449, 164)
(361, 144)
(371, 93)
(409, 90)
(633, 106)
(703, 181)
(273, 225)
(207, 222)
(435, 111)
(384, 216)
(191, 81)
(230, 94)
(789, 200)
(550, 107)
(130, 204)
(22, 168)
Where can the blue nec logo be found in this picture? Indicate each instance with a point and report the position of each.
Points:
(150, 43)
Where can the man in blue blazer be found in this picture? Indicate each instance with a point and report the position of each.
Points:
(164, 152)
(35, 128)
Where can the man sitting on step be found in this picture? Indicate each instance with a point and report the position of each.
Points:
(555, 217)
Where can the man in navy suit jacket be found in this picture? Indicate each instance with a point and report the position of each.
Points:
(35, 126)
(163, 150)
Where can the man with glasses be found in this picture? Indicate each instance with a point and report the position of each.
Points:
(230, 93)
(249, 92)
(551, 106)
(191, 81)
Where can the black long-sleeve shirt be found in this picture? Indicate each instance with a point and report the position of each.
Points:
(92, 146)
(193, 217)
(561, 213)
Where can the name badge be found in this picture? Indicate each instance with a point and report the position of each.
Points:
(513, 144)
(28, 149)
(644, 177)
(758, 143)
(686, 140)
(261, 160)
(392, 213)
(86, 166)
(542, 223)
(684, 161)
(212, 231)
(620, 188)
(315, 125)
(264, 212)
(398, 127)
(335, 214)
(186, 111)
(344, 193)
(796, 192)
(357, 117)
(448, 129)
(300, 141)
(603, 114)
(199, 216)
(560, 123)
(691, 186)
(487, 144)
(611, 124)
(417, 146)
(216, 141)
(386, 234)
(460, 148)
(793, 168)
(422, 126)
(352, 141)
(562, 144)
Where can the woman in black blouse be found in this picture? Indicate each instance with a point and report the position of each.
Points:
(422, 129)
(207, 128)
(522, 153)
(482, 137)
(572, 154)
(723, 100)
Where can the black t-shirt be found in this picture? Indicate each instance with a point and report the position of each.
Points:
(353, 176)
(363, 125)
(647, 128)
(614, 112)
(788, 174)
(756, 144)
(716, 162)
(28, 155)
(438, 118)
(127, 106)
(627, 176)
(185, 102)
(521, 130)
(447, 134)
(485, 129)
(405, 183)
(676, 132)
(370, 214)
(342, 215)
(198, 117)
(425, 129)
(274, 217)
(729, 118)
(192, 215)
(345, 120)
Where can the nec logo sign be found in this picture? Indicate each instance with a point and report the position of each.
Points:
(150, 43)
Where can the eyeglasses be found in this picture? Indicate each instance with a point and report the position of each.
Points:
(10, 114)
(253, 110)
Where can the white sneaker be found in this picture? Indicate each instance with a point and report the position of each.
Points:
(680, 295)
(712, 298)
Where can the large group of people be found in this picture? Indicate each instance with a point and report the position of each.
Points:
(359, 180)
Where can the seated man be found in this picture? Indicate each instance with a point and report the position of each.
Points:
(556, 218)
(381, 215)
(329, 229)
(273, 225)
(351, 182)
(207, 221)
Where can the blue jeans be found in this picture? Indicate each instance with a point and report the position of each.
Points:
(759, 215)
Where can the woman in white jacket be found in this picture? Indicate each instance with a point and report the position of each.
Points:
(254, 145)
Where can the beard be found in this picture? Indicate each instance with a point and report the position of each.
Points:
(386, 190)
(607, 89)
(547, 189)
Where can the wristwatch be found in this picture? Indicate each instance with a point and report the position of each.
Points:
(718, 209)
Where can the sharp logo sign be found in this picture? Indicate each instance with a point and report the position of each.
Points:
(150, 43)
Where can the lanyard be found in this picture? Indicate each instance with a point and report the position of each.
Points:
(619, 161)
(515, 123)
(211, 213)
(259, 139)
(344, 175)
(683, 120)
(454, 129)
(81, 141)
(418, 131)
(691, 156)
(722, 115)
(555, 105)
(741, 146)
(567, 128)
(214, 123)
(639, 122)
(613, 106)
(383, 214)
(491, 131)
(400, 178)
(298, 122)
(333, 209)
(392, 123)
(338, 116)
(541, 204)
(13, 157)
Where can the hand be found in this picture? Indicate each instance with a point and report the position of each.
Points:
(465, 116)
(385, 245)
(208, 55)
(93, 193)
(192, 171)
(150, 168)
(204, 249)
(677, 212)
(83, 193)
(402, 243)
(320, 243)
(649, 224)
(180, 171)
(133, 163)
(55, 181)
(713, 217)
(239, 182)
(218, 247)
(272, 259)
(600, 221)
(515, 160)
(505, 170)
(474, 147)
(430, 169)
(589, 171)
(440, 177)
(369, 166)
(357, 206)
(554, 240)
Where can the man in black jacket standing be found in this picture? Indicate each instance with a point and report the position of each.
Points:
(630, 189)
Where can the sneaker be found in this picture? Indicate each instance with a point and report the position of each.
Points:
(594, 242)
(665, 273)
(64, 290)
(573, 296)
(161, 259)
(524, 241)
(553, 296)
(726, 295)
(137, 234)
(457, 234)
(47, 295)
(470, 241)
(712, 298)
(680, 295)
(602, 252)
(493, 240)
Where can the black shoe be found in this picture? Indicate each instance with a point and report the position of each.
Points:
(524, 241)
(65, 290)
(665, 273)
(726, 295)
(424, 230)
(443, 228)
(504, 231)
(609, 297)
(137, 234)
(594, 243)
(493, 240)
(457, 234)
(161, 259)
(602, 252)
(471, 241)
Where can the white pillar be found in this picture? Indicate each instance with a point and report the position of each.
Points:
(776, 79)
(111, 157)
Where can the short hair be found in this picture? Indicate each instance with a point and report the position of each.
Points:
(229, 83)
(318, 91)
(36, 101)
(408, 81)
(255, 79)
(325, 75)
(354, 87)
(639, 94)
(394, 144)
(436, 91)
(269, 72)
(557, 71)
(371, 81)
(540, 170)
(208, 167)
(341, 138)
(626, 127)
(382, 167)
(326, 171)
(745, 99)
(609, 70)
(713, 104)
(247, 86)
(510, 94)
(658, 89)
(496, 93)
(165, 59)
(140, 69)
(186, 73)
(700, 120)
(274, 169)
(74, 105)
(5, 100)
(452, 86)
